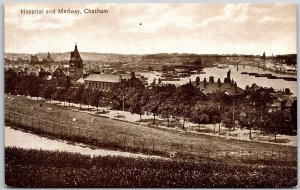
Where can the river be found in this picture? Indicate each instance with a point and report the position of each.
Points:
(241, 79)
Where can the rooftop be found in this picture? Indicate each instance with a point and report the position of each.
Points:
(282, 97)
(80, 80)
(212, 87)
(103, 78)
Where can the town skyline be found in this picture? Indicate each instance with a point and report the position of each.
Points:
(152, 28)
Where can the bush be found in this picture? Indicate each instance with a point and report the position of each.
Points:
(37, 168)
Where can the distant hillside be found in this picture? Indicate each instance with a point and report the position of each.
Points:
(105, 57)
(86, 56)
(160, 58)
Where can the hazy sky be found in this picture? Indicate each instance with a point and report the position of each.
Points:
(182, 28)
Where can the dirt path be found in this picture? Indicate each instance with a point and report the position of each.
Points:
(161, 137)
(20, 139)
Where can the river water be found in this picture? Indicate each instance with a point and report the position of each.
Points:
(241, 79)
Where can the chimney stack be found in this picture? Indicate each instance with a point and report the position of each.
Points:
(197, 80)
(132, 74)
(235, 86)
(204, 81)
(219, 82)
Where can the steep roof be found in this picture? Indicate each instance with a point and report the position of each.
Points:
(282, 97)
(75, 55)
(213, 87)
(80, 80)
(58, 72)
(128, 76)
(103, 78)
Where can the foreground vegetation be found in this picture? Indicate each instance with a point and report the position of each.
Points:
(146, 136)
(186, 102)
(36, 168)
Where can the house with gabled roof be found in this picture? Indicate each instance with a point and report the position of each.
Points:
(210, 87)
(105, 82)
(281, 101)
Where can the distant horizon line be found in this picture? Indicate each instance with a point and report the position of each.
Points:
(153, 53)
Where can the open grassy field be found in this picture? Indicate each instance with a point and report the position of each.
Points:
(36, 168)
(152, 138)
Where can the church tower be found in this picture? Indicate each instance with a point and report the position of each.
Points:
(49, 59)
(75, 66)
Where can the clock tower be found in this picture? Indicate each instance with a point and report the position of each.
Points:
(75, 66)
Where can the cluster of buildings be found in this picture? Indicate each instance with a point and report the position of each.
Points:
(61, 74)
(228, 87)
(282, 101)
(35, 61)
(97, 81)
(73, 74)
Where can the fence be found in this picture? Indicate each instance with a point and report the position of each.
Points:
(122, 139)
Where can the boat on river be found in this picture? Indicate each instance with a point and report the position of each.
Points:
(170, 79)
(262, 75)
(252, 74)
(221, 66)
(289, 78)
(272, 77)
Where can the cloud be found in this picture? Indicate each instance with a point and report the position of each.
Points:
(230, 12)
(154, 28)
(268, 19)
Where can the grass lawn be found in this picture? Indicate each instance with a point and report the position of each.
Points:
(37, 168)
(115, 130)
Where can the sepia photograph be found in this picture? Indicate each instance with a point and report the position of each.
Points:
(160, 95)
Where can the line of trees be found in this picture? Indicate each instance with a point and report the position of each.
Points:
(185, 102)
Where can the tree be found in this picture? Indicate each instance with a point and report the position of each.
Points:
(205, 112)
(22, 86)
(184, 112)
(69, 95)
(95, 98)
(293, 112)
(59, 94)
(227, 120)
(152, 106)
(279, 122)
(287, 91)
(86, 97)
(136, 101)
(156, 95)
(47, 92)
(187, 96)
(34, 88)
(166, 109)
(259, 96)
(116, 95)
(249, 120)
(10, 81)
(78, 95)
